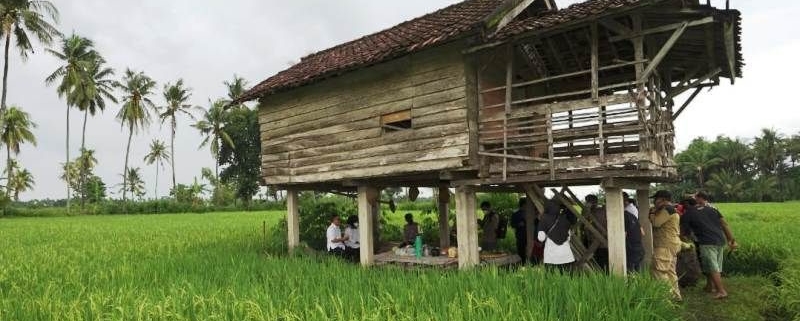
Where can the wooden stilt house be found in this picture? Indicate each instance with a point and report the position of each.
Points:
(488, 95)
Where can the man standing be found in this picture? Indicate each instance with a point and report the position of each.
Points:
(597, 216)
(712, 233)
(666, 240)
(334, 237)
(521, 231)
(489, 225)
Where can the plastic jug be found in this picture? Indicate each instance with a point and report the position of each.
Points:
(418, 246)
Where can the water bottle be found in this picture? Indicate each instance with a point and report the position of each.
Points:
(418, 246)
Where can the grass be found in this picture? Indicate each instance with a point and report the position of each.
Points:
(210, 267)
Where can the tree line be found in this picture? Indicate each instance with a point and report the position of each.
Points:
(87, 84)
(762, 169)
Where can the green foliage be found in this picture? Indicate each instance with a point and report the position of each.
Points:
(243, 157)
(94, 189)
(733, 170)
(315, 215)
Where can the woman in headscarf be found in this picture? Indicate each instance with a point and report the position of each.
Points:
(555, 232)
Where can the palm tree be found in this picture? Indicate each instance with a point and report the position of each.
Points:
(158, 154)
(133, 183)
(77, 54)
(769, 151)
(90, 96)
(135, 111)
(19, 18)
(727, 184)
(698, 161)
(236, 89)
(15, 129)
(212, 127)
(763, 188)
(23, 181)
(177, 98)
(84, 164)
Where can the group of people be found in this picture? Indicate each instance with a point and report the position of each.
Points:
(345, 244)
(692, 224)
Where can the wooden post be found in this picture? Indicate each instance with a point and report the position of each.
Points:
(615, 225)
(467, 227)
(292, 219)
(509, 91)
(366, 224)
(595, 61)
(643, 201)
(444, 217)
(530, 219)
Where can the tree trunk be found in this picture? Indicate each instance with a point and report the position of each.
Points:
(172, 153)
(83, 148)
(69, 193)
(156, 188)
(125, 171)
(10, 175)
(5, 74)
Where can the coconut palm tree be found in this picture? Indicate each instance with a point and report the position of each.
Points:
(769, 151)
(698, 161)
(727, 184)
(22, 182)
(15, 129)
(133, 183)
(135, 112)
(21, 19)
(77, 55)
(212, 127)
(236, 89)
(177, 98)
(91, 95)
(84, 164)
(158, 155)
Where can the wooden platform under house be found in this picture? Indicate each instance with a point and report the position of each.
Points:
(498, 95)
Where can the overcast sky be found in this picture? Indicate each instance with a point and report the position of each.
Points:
(206, 41)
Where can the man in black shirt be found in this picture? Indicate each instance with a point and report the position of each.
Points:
(634, 250)
(521, 231)
(712, 233)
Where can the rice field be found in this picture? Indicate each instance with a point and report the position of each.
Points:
(212, 267)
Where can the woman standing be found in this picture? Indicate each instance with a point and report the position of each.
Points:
(555, 233)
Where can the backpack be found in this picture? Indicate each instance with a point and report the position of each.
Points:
(502, 226)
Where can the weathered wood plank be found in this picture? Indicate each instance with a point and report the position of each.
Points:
(368, 171)
(398, 158)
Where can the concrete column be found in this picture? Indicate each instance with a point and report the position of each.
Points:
(467, 227)
(366, 224)
(444, 219)
(292, 219)
(643, 201)
(615, 225)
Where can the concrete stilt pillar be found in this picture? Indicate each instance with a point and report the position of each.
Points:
(444, 219)
(615, 225)
(467, 227)
(366, 225)
(643, 201)
(292, 219)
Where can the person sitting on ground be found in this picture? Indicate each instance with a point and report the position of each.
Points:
(556, 234)
(520, 227)
(489, 226)
(352, 244)
(410, 231)
(597, 216)
(334, 236)
(713, 233)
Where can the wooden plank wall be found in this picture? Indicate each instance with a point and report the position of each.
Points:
(331, 130)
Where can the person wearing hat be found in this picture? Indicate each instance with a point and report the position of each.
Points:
(666, 240)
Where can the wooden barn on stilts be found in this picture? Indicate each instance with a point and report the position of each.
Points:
(497, 95)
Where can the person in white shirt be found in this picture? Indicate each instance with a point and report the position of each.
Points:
(630, 205)
(555, 233)
(352, 245)
(334, 235)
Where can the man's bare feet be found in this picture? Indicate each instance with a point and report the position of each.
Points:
(720, 296)
(709, 289)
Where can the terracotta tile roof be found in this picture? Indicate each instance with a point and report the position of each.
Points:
(435, 28)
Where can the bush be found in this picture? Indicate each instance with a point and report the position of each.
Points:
(315, 214)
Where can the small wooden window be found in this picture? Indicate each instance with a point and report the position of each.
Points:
(396, 122)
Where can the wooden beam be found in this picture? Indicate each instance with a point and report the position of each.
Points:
(366, 225)
(466, 227)
(615, 26)
(443, 207)
(535, 195)
(694, 84)
(686, 103)
(643, 202)
(664, 28)
(615, 225)
(509, 88)
(293, 219)
(595, 60)
(512, 13)
(651, 67)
